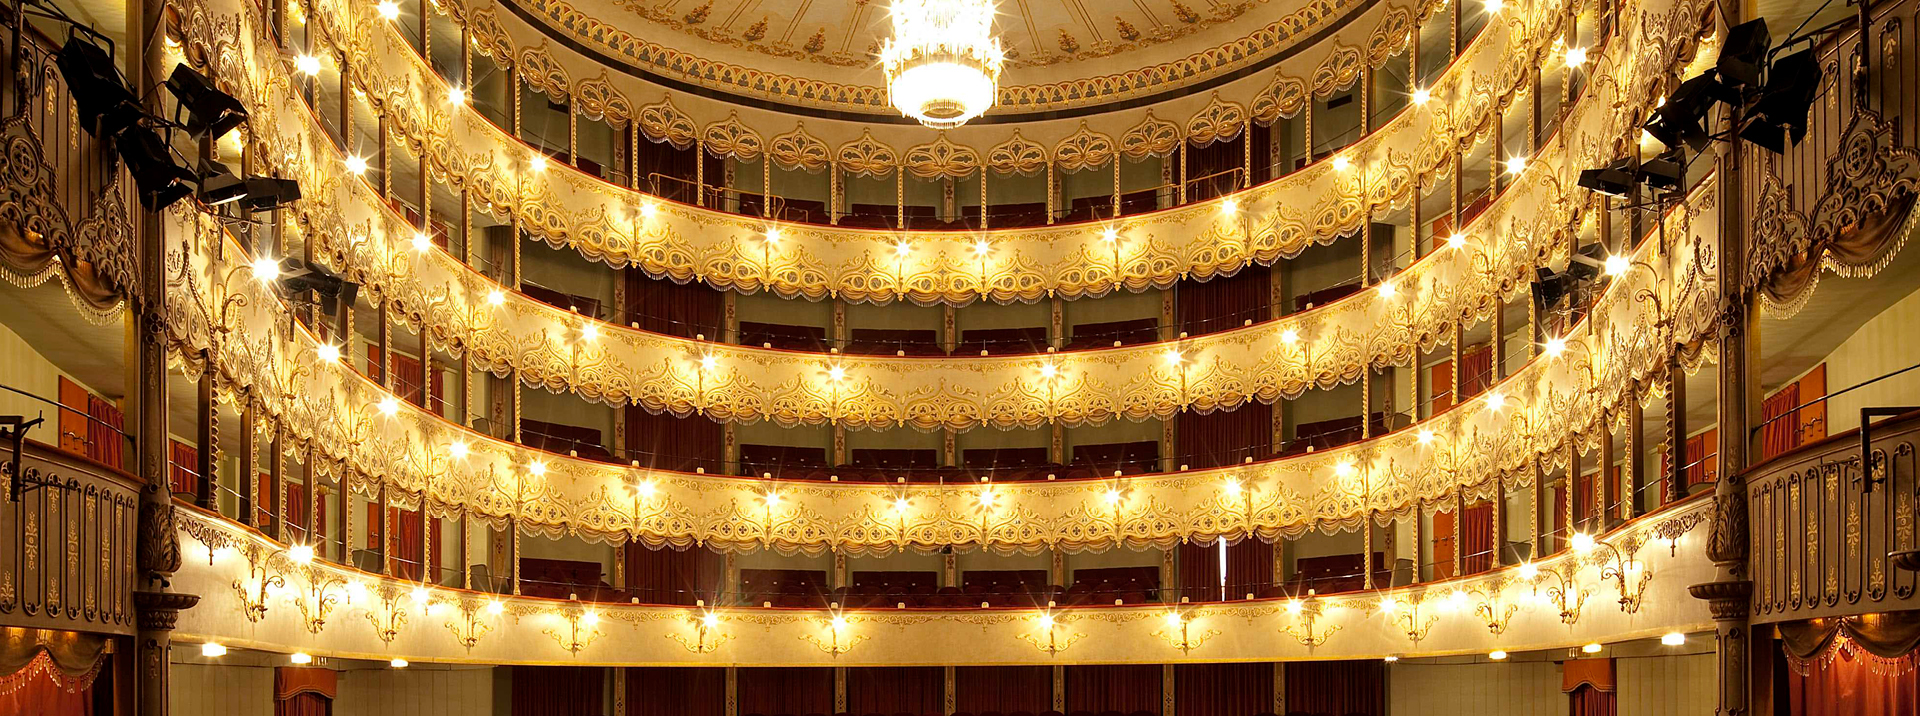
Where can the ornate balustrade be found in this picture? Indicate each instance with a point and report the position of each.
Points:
(1628, 584)
(67, 542)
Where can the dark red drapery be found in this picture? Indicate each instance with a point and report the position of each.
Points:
(1476, 538)
(104, 441)
(1225, 437)
(1337, 688)
(676, 691)
(43, 687)
(557, 691)
(183, 460)
(1249, 568)
(670, 576)
(1114, 687)
(1224, 302)
(1476, 366)
(1006, 689)
(1199, 571)
(303, 704)
(895, 690)
(1222, 689)
(409, 553)
(786, 690)
(666, 442)
(1589, 701)
(304, 691)
(1847, 684)
(684, 310)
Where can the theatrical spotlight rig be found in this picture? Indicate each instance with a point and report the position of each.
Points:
(108, 109)
(1769, 99)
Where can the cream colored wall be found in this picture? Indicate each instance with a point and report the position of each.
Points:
(565, 270)
(987, 314)
(766, 308)
(1885, 344)
(415, 692)
(899, 315)
(1505, 689)
(1117, 306)
(221, 690)
(24, 368)
(1666, 686)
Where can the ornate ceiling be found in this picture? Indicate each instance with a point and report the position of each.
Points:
(1089, 53)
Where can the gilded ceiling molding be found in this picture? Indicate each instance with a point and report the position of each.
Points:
(1512, 608)
(615, 40)
(563, 207)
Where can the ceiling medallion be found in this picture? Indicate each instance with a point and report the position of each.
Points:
(943, 62)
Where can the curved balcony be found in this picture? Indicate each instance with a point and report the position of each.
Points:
(562, 206)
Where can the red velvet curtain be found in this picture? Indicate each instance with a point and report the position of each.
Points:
(104, 441)
(182, 460)
(1225, 437)
(666, 442)
(895, 690)
(676, 691)
(1224, 302)
(1337, 688)
(1779, 435)
(409, 556)
(684, 310)
(1589, 701)
(670, 576)
(1222, 689)
(785, 690)
(1848, 685)
(1476, 538)
(1249, 568)
(557, 691)
(1114, 687)
(1199, 571)
(298, 511)
(304, 691)
(43, 688)
(303, 704)
(1476, 365)
(1003, 688)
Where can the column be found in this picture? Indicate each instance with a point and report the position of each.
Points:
(208, 462)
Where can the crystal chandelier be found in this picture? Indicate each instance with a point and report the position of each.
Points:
(943, 62)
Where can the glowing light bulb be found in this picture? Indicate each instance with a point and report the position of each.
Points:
(1515, 165)
(982, 247)
(496, 608)
(1497, 655)
(1576, 56)
(1295, 607)
(1592, 647)
(1046, 621)
(1556, 345)
(1495, 6)
(772, 498)
(356, 589)
(356, 164)
(1457, 599)
(710, 619)
(1617, 265)
(457, 449)
(1289, 336)
(1110, 235)
(1528, 570)
(649, 209)
(1673, 638)
(265, 269)
(836, 373)
(986, 498)
(1425, 436)
(537, 468)
(1230, 206)
(1342, 162)
(496, 298)
(1344, 469)
(398, 663)
(301, 553)
(1581, 541)
(1049, 370)
(589, 332)
(1232, 486)
(839, 622)
(901, 505)
(590, 618)
(388, 406)
(1389, 605)
(388, 9)
(902, 249)
(455, 95)
(421, 242)
(773, 235)
(421, 595)
(1113, 497)
(709, 361)
(1173, 619)
(1174, 357)
(308, 65)
(300, 657)
(329, 352)
(646, 488)
(1421, 96)
(1456, 241)
(539, 162)
(1390, 658)
(1495, 400)
(1387, 289)
(213, 649)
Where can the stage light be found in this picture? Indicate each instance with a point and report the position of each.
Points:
(1497, 655)
(213, 649)
(1744, 53)
(1679, 120)
(307, 65)
(96, 88)
(1673, 638)
(256, 195)
(300, 657)
(210, 112)
(1615, 179)
(161, 181)
(398, 663)
(1592, 647)
(1780, 114)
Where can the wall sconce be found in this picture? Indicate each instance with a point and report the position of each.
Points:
(834, 643)
(471, 626)
(705, 625)
(575, 638)
(1179, 633)
(1305, 614)
(1564, 592)
(319, 598)
(1407, 618)
(1618, 564)
(1491, 609)
(1048, 636)
(388, 619)
(254, 588)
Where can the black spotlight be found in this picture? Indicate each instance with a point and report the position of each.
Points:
(1781, 112)
(1664, 172)
(1615, 179)
(100, 98)
(209, 111)
(256, 194)
(161, 182)
(299, 277)
(1680, 119)
(1744, 54)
